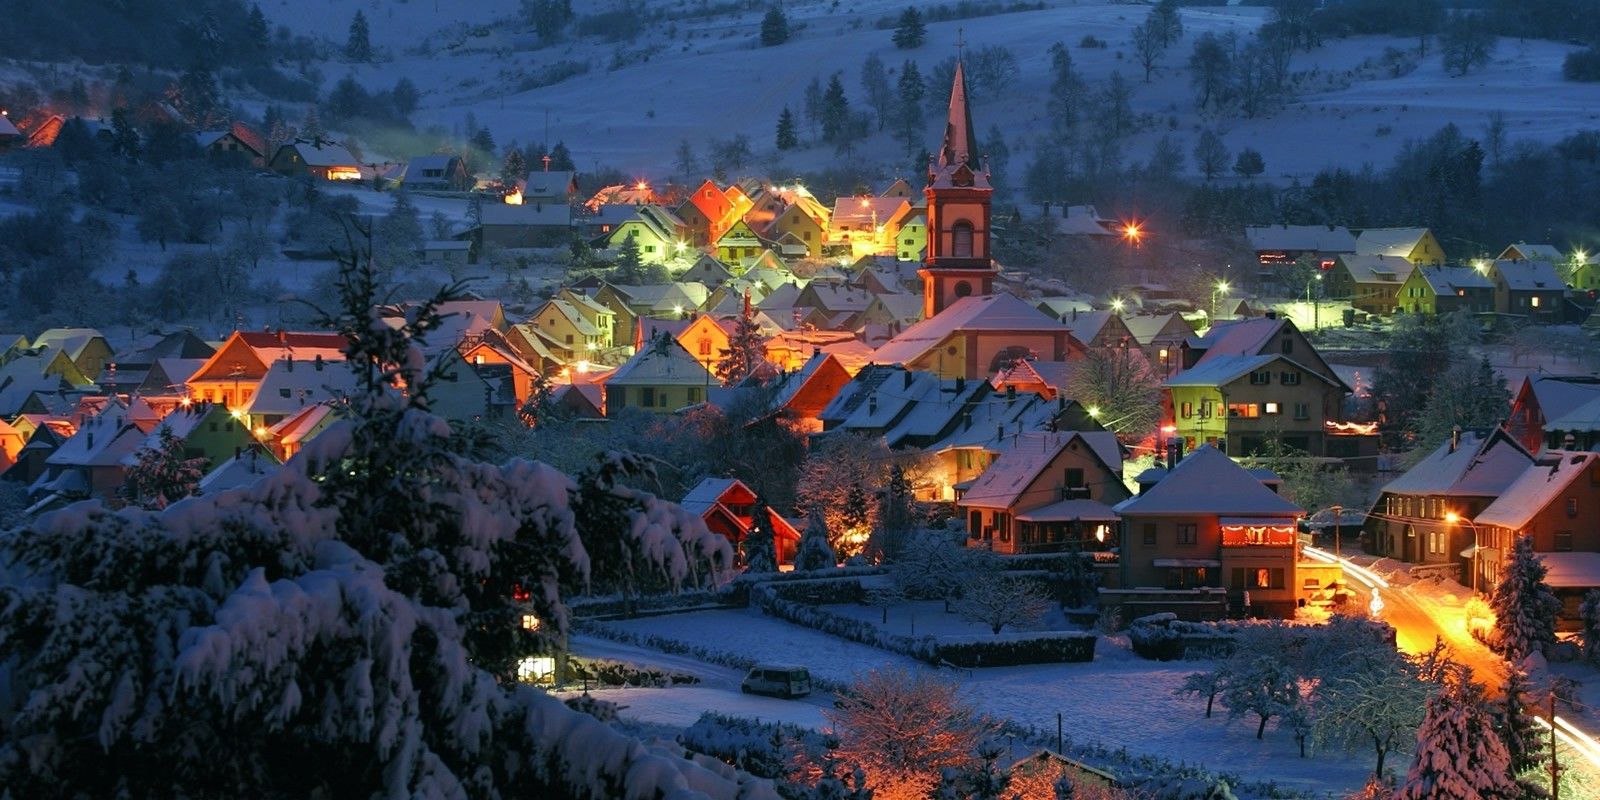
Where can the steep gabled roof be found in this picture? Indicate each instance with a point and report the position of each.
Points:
(1030, 453)
(304, 385)
(662, 362)
(1207, 482)
(1528, 276)
(1537, 487)
(995, 312)
(1377, 269)
(1389, 241)
(1479, 466)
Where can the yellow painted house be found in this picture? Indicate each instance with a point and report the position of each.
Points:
(562, 321)
(741, 245)
(1416, 245)
(659, 233)
(660, 379)
(806, 222)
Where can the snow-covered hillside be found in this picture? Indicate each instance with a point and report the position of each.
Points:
(697, 79)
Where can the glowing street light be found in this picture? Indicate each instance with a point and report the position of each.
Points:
(1221, 288)
(1131, 232)
(1094, 411)
(1117, 304)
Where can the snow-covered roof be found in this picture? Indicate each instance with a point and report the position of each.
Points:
(243, 469)
(1559, 395)
(433, 161)
(529, 215)
(1446, 280)
(1087, 325)
(548, 184)
(568, 311)
(1576, 570)
(1480, 466)
(100, 442)
(1208, 482)
(1317, 238)
(1084, 221)
(1075, 510)
(995, 312)
(1535, 252)
(7, 129)
(1146, 328)
(662, 362)
(1377, 268)
(1389, 241)
(707, 493)
(1538, 486)
(292, 384)
(1528, 276)
(1009, 476)
(72, 341)
(1585, 417)
(324, 153)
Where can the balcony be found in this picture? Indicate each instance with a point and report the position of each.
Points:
(1251, 532)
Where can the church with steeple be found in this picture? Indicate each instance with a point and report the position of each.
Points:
(968, 331)
(959, 200)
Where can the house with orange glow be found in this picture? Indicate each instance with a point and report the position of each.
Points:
(491, 355)
(291, 384)
(704, 336)
(207, 430)
(238, 146)
(231, 375)
(1049, 492)
(706, 213)
(1556, 503)
(1205, 530)
(575, 333)
(288, 437)
(729, 507)
(319, 159)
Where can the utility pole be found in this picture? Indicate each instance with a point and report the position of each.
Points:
(1555, 771)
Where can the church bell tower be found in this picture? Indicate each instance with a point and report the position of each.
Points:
(959, 197)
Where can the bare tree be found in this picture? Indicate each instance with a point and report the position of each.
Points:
(1148, 44)
(1377, 701)
(995, 599)
(1120, 389)
(1468, 42)
(903, 730)
(1210, 154)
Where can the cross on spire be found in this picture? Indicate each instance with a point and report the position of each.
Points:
(961, 43)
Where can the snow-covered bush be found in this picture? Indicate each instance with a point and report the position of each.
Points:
(349, 626)
(814, 552)
(1016, 648)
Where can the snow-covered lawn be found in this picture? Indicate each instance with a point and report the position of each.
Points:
(1118, 700)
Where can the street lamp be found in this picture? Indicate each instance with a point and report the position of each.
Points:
(1454, 518)
(1316, 305)
(1220, 288)
(1117, 304)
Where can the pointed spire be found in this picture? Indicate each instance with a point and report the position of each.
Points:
(960, 138)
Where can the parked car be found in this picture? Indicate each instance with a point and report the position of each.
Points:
(778, 680)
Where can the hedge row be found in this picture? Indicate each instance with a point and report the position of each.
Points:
(613, 605)
(1164, 637)
(681, 648)
(1020, 648)
(1049, 648)
(616, 673)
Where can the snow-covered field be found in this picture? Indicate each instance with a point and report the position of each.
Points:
(1118, 700)
(706, 78)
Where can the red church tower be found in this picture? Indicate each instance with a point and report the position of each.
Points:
(958, 262)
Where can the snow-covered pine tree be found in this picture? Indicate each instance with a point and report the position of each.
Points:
(760, 549)
(1522, 739)
(161, 475)
(1590, 610)
(814, 551)
(1525, 608)
(895, 518)
(358, 45)
(323, 632)
(1459, 756)
(747, 348)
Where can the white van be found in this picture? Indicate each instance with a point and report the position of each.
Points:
(778, 680)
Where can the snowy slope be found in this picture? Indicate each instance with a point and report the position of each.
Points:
(706, 78)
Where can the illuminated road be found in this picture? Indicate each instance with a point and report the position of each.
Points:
(1416, 629)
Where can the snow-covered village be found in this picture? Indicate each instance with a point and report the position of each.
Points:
(756, 400)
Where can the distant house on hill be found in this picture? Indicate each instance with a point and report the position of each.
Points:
(1371, 283)
(238, 145)
(1278, 245)
(526, 225)
(439, 172)
(320, 159)
(1441, 290)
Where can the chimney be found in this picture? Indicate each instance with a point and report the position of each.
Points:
(906, 378)
(1455, 438)
(961, 383)
(966, 420)
(318, 362)
(1011, 391)
(1061, 402)
(872, 404)
(91, 440)
(1272, 315)
(288, 365)
(999, 432)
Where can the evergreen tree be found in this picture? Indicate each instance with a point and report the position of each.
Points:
(1466, 395)
(814, 552)
(895, 517)
(1210, 65)
(686, 162)
(399, 233)
(912, 92)
(197, 97)
(1458, 756)
(1522, 738)
(561, 159)
(257, 31)
(910, 32)
(1525, 608)
(161, 475)
(1249, 163)
(774, 27)
(124, 139)
(835, 109)
(628, 259)
(1067, 92)
(514, 168)
(358, 46)
(483, 141)
(1590, 611)
(760, 548)
(549, 17)
(787, 139)
(404, 96)
(875, 85)
(747, 349)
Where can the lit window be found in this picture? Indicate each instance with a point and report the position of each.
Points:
(1272, 408)
(1534, 301)
(530, 622)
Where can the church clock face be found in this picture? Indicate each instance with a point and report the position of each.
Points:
(963, 289)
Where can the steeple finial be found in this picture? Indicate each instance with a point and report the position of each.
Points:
(961, 43)
(960, 139)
